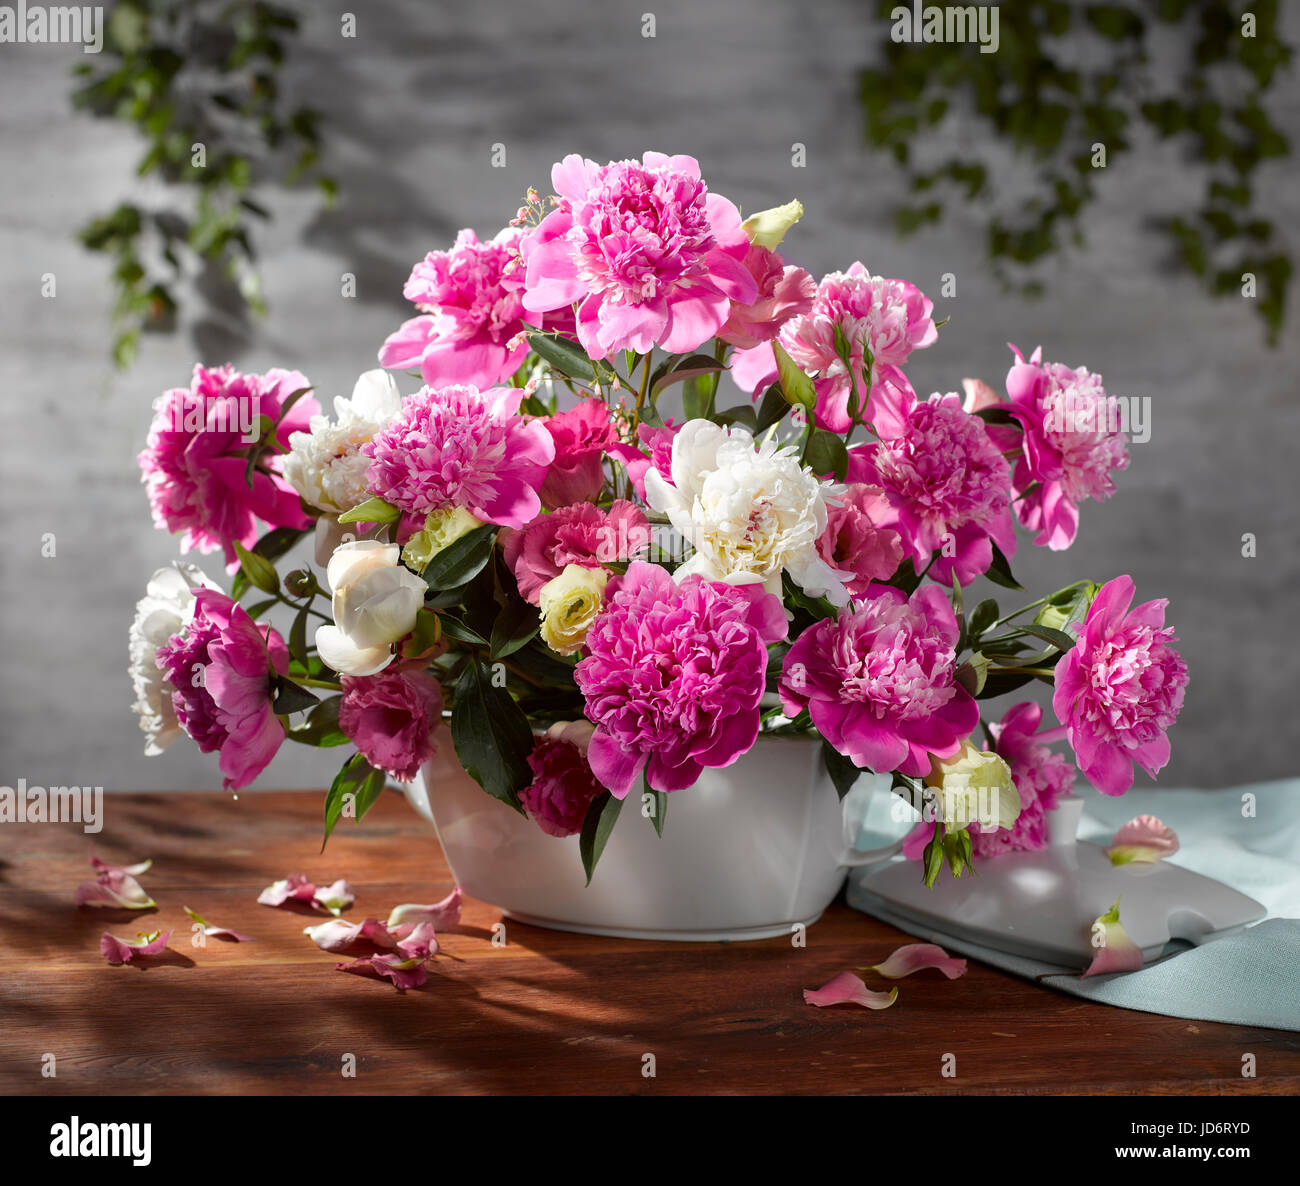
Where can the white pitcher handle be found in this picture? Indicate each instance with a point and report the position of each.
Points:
(855, 857)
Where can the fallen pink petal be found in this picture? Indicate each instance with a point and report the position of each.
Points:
(335, 898)
(216, 932)
(296, 888)
(418, 942)
(1144, 840)
(1116, 952)
(339, 936)
(123, 951)
(115, 889)
(104, 867)
(848, 989)
(404, 973)
(444, 915)
(915, 957)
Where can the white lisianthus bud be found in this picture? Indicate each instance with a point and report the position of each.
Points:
(768, 227)
(569, 604)
(375, 601)
(974, 786)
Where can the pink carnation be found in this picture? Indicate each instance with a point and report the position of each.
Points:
(563, 785)
(659, 443)
(650, 257)
(879, 680)
(856, 540)
(391, 717)
(197, 456)
(583, 534)
(1121, 688)
(944, 476)
(1071, 444)
(891, 317)
(783, 293)
(674, 676)
(219, 667)
(581, 436)
(459, 447)
(472, 309)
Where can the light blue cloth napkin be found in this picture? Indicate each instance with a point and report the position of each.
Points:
(1251, 978)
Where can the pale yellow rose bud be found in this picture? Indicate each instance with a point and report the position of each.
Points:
(441, 529)
(974, 786)
(569, 604)
(768, 227)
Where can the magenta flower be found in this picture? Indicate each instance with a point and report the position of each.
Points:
(879, 680)
(1072, 441)
(219, 667)
(674, 675)
(658, 443)
(649, 256)
(460, 447)
(889, 317)
(197, 454)
(471, 302)
(390, 717)
(581, 436)
(583, 534)
(1121, 688)
(856, 540)
(944, 476)
(783, 292)
(563, 785)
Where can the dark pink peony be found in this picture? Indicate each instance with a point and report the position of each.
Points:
(1121, 688)
(879, 680)
(674, 676)
(856, 539)
(197, 455)
(783, 293)
(581, 436)
(391, 717)
(219, 667)
(583, 534)
(563, 785)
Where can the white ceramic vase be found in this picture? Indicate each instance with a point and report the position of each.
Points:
(747, 853)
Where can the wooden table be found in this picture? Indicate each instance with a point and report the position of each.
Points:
(546, 1012)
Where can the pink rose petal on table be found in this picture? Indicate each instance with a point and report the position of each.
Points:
(133, 870)
(1144, 840)
(123, 951)
(335, 898)
(1116, 952)
(444, 915)
(418, 941)
(914, 957)
(404, 973)
(848, 989)
(217, 932)
(340, 936)
(296, 888)
(116, 890)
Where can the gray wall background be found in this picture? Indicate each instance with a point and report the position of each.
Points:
(413, 106)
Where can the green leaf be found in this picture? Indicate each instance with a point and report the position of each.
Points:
(771, 410)
(795, 385)
(515, 626)
(997, 416)
(843, 771)
(276, 543)
(827, 454)
(601, 817)
(973, 674)
(982, 617)
(1058, 638)
(358, 779)
(462, 560)
(373, 510)
(291, 697)
(1000, 571)
(298, 635)
(659, 810)
(568, 358)
(491, 734)
(743, 415)
(321, 728)
(258, 569)
(999, 683)
(689, 368)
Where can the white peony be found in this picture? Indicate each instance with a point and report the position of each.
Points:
(325, 465)
(375, 601)
(165, 609)
(749, 510)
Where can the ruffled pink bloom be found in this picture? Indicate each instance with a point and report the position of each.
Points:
(1121, 688)
(123, 951)
(879, 680)
(1072, 442)
(584, 534)
(471, 302)
(856, 540)
(674, 676)
(1143, 841)
(890, 317)
(197, 454)
(581, 436)
(563, 785)
(783, 293)
(658, 442)
(459, 447)
(229, 708)
(649, 256)
(848, 989)
(944, 476)
(390, 718)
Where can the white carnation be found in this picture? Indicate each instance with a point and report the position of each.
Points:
(325, 465)
(751, 511)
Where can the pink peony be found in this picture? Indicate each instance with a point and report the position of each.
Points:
(659, 443)
(889, 317)
(220, 667)
(457, 446)
(783, 293)
(1120, 689)
(1071, 444)
(197, 455)
(879, 680)
(390, 717)
(945, 478)
(650, 257)
(674, 676)
(856, 541)
(563, 785)
(583, 534)
(471, 298)
(581, 436)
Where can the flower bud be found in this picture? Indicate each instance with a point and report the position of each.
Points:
(569, 604)
(768, 227)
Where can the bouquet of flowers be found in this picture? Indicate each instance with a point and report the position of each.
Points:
(602, 599)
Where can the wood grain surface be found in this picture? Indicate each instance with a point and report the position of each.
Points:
(545, 1012)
